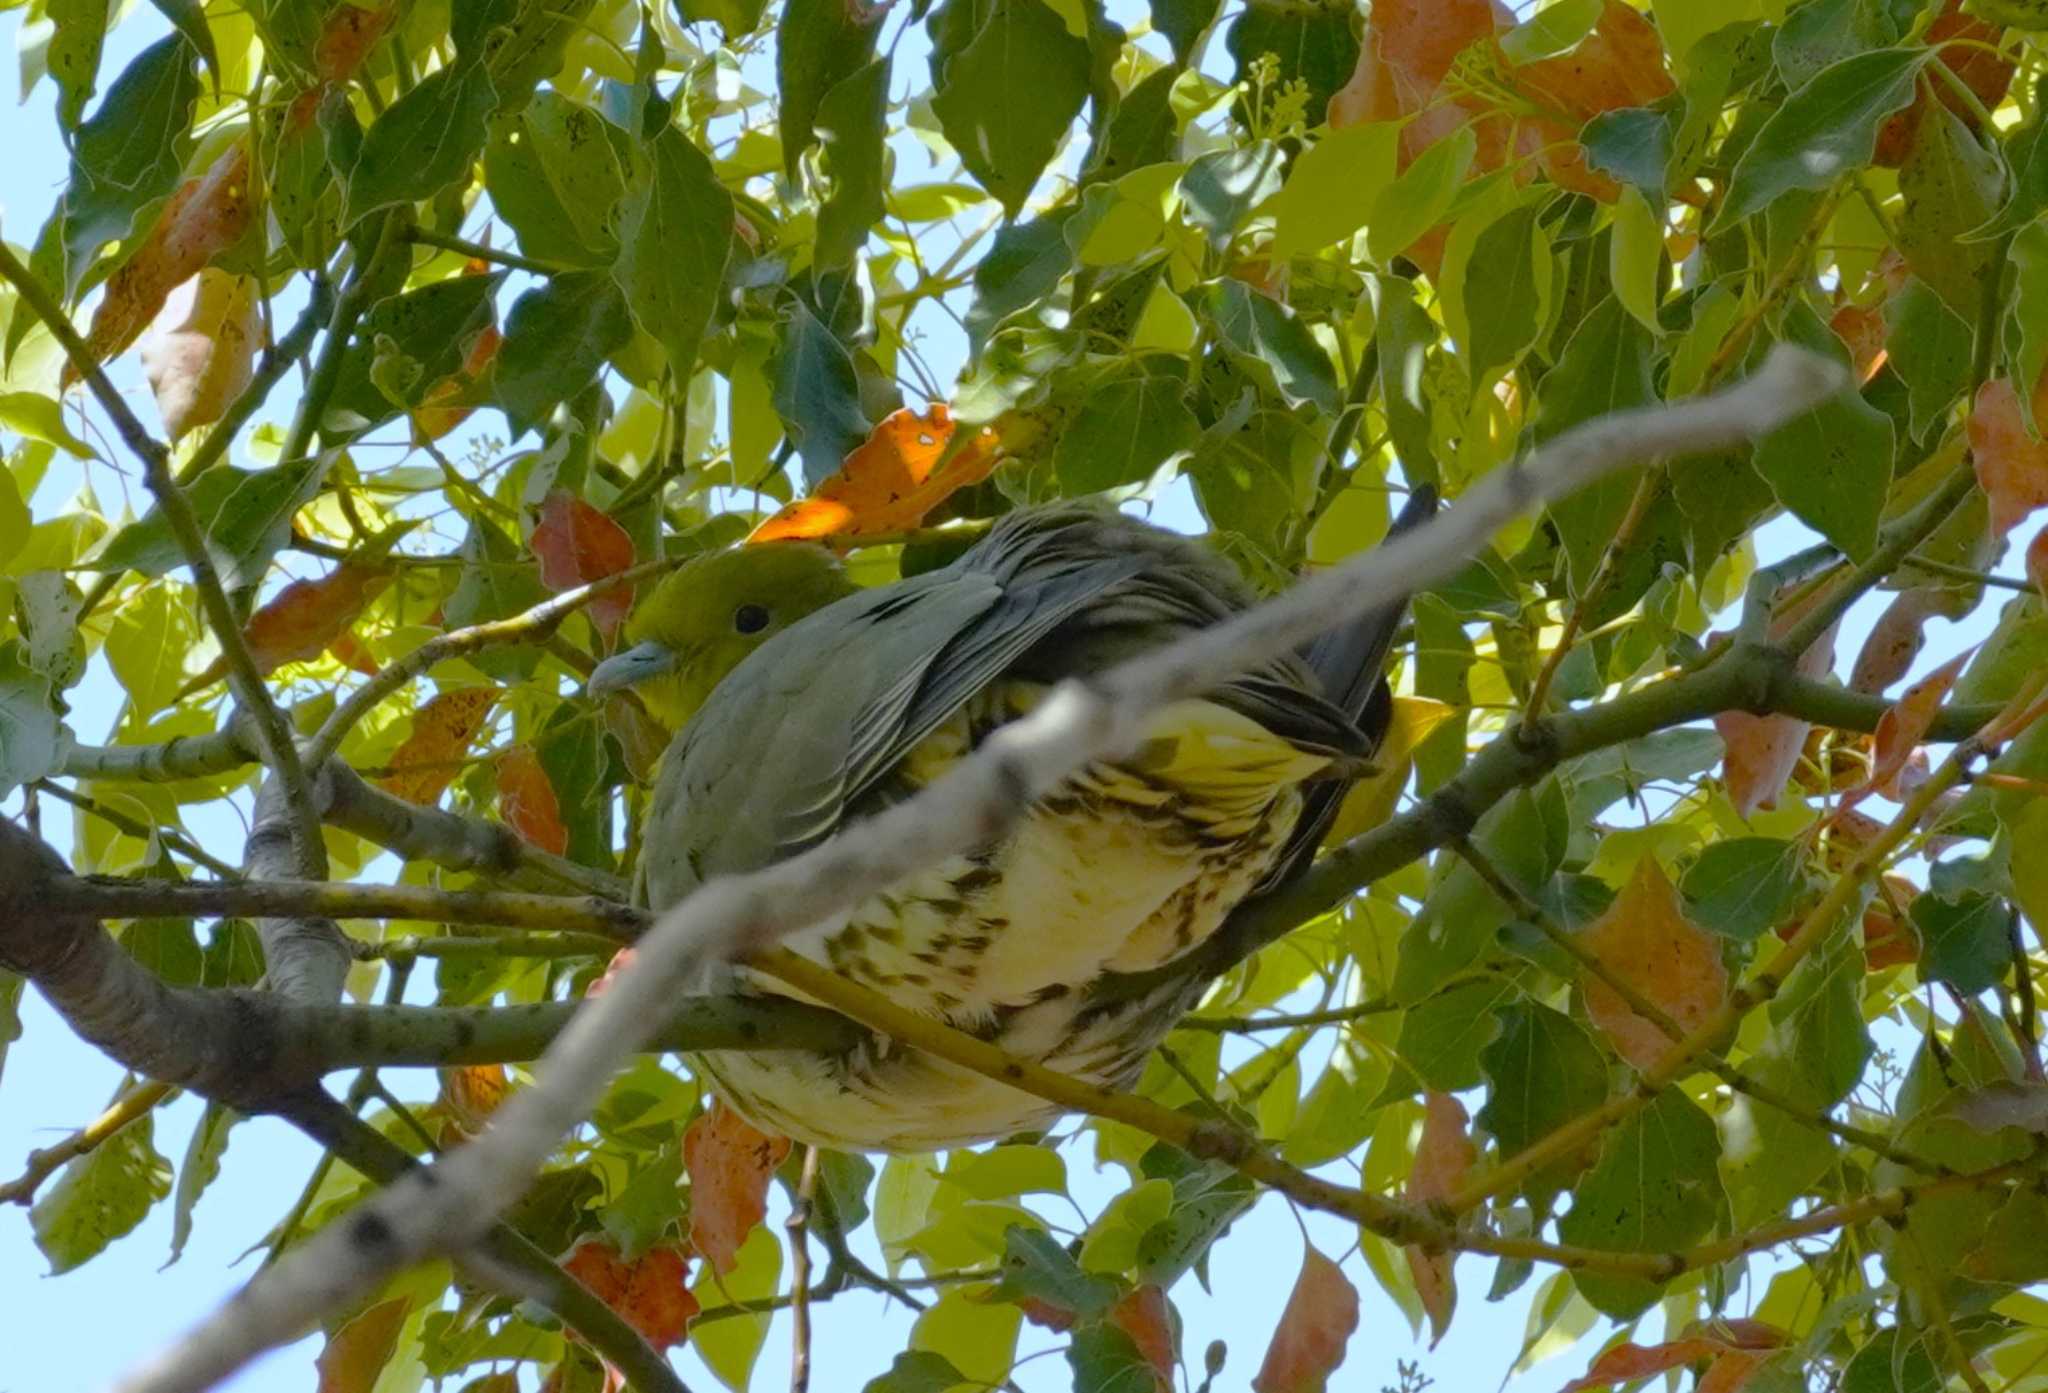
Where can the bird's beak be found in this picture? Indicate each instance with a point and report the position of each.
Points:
(635, 665)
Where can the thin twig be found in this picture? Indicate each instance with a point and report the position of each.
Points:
(133, 1104)
(797, 1226)
(274, 733)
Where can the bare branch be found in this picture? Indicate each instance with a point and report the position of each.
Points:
(743, 916)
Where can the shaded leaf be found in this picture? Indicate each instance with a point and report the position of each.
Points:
(729, 1164)
(433, 754)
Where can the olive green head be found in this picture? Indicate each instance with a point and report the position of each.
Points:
(694, 628)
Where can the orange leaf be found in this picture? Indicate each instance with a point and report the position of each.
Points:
(577, 544)
(1645, 939)
(2012, 466)
(1904, 725)
(1619, 64)
(346, 40)
(888, 483)
(1443, 1158)
(621, 960)
(349, 650)
(1730, 1373)
(356, 1353)
(1308, 1345)
(1762, 751)
(309, 616)
(652, 1293)
(729, 1164)
(1894, 640)
(470, 1094)
(1626, 1363)
(1969, 50)
(205, 216)
(1142, 1314)
(526, 800)
(431, 422)
(201, 351)
(1862, 329)
(441, 731)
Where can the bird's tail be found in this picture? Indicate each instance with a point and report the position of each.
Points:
(1351, 660)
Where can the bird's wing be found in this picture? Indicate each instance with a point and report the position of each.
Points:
(819, 715)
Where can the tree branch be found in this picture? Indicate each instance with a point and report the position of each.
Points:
(273, 732)
(971, 805)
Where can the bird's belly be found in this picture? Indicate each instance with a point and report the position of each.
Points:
(1127, 868)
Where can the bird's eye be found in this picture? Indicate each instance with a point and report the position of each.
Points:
(750, 619)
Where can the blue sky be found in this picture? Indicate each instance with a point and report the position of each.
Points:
(80, 1330)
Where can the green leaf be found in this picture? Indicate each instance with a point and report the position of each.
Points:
(918, 1371)
(523, 49)
(1832, 466)
(1336, 1114)
(1006, 98)
(100, 1196)
(1461, 914)
(675, 240)
(1112, 1241)
(498, 579)
(1824, 32)
(818, 44)
(1507, 290)
(1930, 346)
(1606, 367)
(1419, 198)
(1822, 131)
(1222, 187)
(1182, 22)
(1404, 333)
(1743, 887)
(127, 158)
(1769, 1159)
(1024, 262)
(10, 983)
(1331, 190)
(2026, 155)
(1542, 1070)
(1106, 1360)
(425, 141)
(1895, 1361)
(1253, 473)
(816, 393)
(1550, 31)
(1818, 1043)
(1653, 1190)
(33, 741)
(2016, 650)
(729, 1346)
(1207, 1198)
(557, 339)
(1316, 45)
(1950, 183)
(39, 418)
(1274, 341)
(979, 1338)
(1002, 1172)
(404, 346)
(1633, 145)
(1037, 1266)
(1126, 428)
(1443, 1036)
(73, 58)
(573, 752)
(555, 172)
(200, 1169)
(188, 17)
(851, 123)
(15, 519)
(149, 642)
(1635, 258)
(245, 515)
(1965, 942)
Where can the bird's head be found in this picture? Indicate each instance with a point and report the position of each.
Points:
(703, 620)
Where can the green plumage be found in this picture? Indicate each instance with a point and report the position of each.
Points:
(863, 701)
